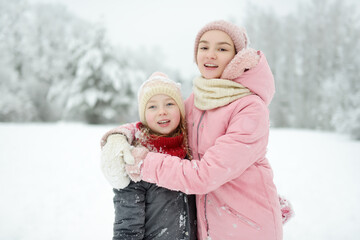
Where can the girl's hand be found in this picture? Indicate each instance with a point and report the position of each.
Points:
(287, 211)
(114, 155)
(134, 170)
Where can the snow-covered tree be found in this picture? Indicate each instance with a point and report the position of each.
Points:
(39, 45)
(313, 55)
(101, 89)
(106, 82)
(57, 66)
(13, 61)
(345, 83)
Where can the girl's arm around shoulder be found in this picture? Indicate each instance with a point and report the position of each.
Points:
(243, 144)
(128, 130)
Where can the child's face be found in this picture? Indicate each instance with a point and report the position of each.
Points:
(162, 114)
(215, 51)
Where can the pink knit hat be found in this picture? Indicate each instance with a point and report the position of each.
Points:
(237, 34)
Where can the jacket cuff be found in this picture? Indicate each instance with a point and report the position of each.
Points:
(149, 167)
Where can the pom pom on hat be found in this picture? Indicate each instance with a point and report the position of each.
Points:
(159, 83)
(237, 34)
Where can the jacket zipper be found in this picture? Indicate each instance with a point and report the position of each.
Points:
(197, 132)
(197, 143)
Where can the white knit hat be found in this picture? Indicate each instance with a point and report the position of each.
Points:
(159, 83)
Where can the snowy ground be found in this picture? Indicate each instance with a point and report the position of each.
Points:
(52, 188)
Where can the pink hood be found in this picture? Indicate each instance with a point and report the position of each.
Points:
(258, 78)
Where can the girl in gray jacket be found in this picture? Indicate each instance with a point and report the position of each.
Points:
(143, 210)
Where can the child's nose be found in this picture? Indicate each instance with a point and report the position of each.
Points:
(162, 111)
(211, 54)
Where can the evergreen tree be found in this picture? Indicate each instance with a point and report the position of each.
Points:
(313, 56)
(101, 90)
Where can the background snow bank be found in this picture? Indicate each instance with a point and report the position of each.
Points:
(52, 187)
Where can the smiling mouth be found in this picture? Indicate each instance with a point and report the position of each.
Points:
(163, 121)
(209, 65)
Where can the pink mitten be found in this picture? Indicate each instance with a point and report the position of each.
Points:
(287, 211)
(134, 170)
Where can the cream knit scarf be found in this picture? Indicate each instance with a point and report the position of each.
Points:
(213, 93)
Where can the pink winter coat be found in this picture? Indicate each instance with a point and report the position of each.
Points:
(233, 180)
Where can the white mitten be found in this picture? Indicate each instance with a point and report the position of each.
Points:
(114, 154)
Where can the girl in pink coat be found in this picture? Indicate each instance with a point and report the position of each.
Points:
(228, 122)
(228, 128)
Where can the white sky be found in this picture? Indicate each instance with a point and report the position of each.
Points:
(169, 25)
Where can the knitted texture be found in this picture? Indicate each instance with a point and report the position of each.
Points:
(134, 170)
(213, 93)
(113, 162)
(128, 130)
(236, 33)
(159, 83)
(168, 145)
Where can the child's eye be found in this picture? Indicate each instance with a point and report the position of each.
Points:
(222, 50)
(151, 107)
(170, 104)
(203, 48)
